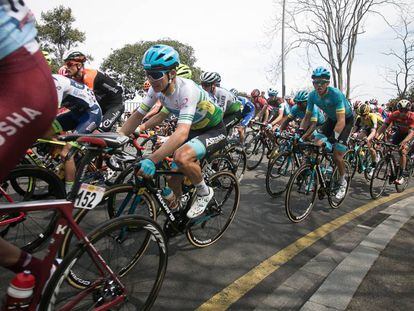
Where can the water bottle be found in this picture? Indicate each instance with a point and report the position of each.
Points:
(20, 292)
(168, 195)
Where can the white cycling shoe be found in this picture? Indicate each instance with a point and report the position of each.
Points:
(341, 191)
(200, 204)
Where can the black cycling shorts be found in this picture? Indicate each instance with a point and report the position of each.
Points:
(111, 116)
(232, 119)
(207, 141)
(327, 129)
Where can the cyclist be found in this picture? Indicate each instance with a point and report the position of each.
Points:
(247, 114)
(260, 104)
(199, 131)
(403, 120)
(298, 111)
(367, 124)
(107, 91)
(373, 104)
(83, 116)
(282, 109)
(28, 105)
(225, 99)
(184, 71)
(273, 103)
(339, 122)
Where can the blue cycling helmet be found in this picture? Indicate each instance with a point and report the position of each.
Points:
(321, 72)
(272, 92)
(301, 96)
(160, 57)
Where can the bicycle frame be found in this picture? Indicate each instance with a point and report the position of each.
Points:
(64, 208)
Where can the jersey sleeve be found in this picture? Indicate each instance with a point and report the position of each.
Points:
(390, 119)
(315, 114)
(310, 105)
(293, 112)
(340, 102)
(148, 102)
(374, 121)
(61, 88)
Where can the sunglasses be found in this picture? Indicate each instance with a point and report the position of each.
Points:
(320, 82)
(71, 64)
(155, 75)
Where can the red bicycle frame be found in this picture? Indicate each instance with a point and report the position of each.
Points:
(65, 220)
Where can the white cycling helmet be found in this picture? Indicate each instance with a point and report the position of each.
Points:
(208, 77)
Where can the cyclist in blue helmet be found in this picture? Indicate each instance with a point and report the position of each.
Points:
(200, 130)
(339, 122)
(298, 111)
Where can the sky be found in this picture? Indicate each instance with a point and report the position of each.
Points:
(228, 36)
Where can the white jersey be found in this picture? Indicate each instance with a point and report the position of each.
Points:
(224, 98)
(189, 102)
(74, 95)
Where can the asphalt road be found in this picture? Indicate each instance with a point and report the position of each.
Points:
(260, 230)
(262, 251)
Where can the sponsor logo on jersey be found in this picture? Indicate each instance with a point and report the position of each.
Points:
(11, 123)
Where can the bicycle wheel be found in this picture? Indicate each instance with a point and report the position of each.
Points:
(239, 159)
(352, 158)
(134, 247)
(208, 228)
(380, 178)
(333, 184)
(31, 231)
(278, 174)
(301, 193)
(118, 200)
(255, 150)
(217, 163)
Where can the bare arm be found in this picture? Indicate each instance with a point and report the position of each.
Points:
(153, 121)
(306, 120)
(340, 123)
(310, 130)
(131, 124)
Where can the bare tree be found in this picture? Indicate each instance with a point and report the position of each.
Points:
(331, 28)
(401, 76)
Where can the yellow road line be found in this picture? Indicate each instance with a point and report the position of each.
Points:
(229, 295)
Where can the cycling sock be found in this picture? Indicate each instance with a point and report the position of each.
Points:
(68, 186)
(342, 179)
(27, 262)
(202, 189)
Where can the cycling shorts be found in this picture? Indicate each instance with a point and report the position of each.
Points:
(247, 118)
(232, 119)
(398, 137)
(327, 130)
(28, 104)
(78, 122)
(207, 141)
(111, 116)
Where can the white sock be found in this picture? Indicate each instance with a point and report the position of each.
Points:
(342, 179)
(68, 186)
(202, 189)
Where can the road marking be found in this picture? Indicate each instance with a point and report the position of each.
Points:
(232, 293)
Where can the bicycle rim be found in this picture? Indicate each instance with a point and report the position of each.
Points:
(210, 226)
(301, 193)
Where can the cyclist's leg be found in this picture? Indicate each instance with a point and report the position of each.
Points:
(396, 139)
(111, 116)
(28, 104)
(243, 124)
(205, 143)
(341, 147)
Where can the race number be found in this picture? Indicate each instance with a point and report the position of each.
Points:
(89, 196)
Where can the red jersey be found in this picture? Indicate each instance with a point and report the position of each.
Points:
(259, 102)
(404, 122)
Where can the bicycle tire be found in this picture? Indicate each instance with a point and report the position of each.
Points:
(215, 210)
(153, 233)
(258, 149)
(43, 231)
(279, 162)
(111, 212)
(386, 177)
(239, 161)
(295, 180)
(353, 161)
